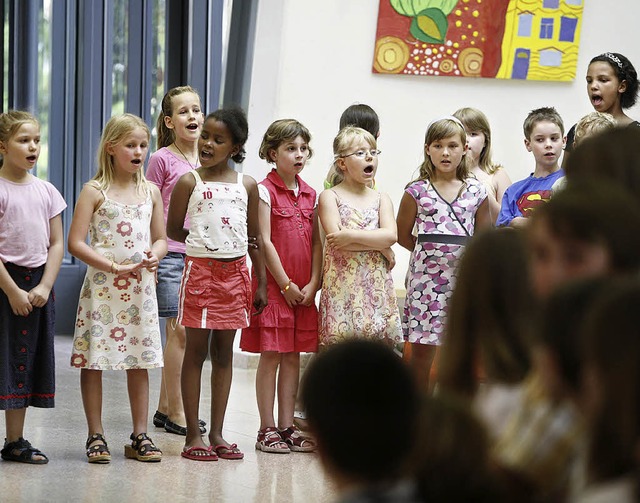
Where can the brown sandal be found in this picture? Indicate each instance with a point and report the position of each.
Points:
(142, 452)
(99, 452)
(296, 441)
(269, 440)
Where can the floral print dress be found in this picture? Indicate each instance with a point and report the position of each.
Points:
(358, 297)
(117, 321)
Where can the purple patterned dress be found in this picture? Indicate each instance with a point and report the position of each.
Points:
(441, 226)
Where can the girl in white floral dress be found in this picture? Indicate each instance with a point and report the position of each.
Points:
(117, 321)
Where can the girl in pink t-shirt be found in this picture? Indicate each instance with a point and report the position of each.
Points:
(31, 249)
(293, 256)
(179, 125)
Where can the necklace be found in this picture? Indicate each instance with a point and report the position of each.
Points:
(185, 157)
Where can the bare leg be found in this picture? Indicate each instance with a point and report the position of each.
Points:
(196, 350)
(287, 388)
(14, 419)
(221, 374)
(422, 356)
(266, 387)
(138, 388)
(91, 389)
(170, 402)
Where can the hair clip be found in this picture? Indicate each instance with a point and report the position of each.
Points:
(613, 58)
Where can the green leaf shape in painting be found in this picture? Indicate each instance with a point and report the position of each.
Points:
(430, 26)
(412, 8)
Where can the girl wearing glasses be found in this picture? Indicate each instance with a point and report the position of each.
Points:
(358, 297)
(446, 205)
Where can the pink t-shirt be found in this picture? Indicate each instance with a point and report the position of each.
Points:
(25, 211)
(165, 169)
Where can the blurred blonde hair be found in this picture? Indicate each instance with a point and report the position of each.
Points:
(341, 146)
(592, 123)
(115, 131)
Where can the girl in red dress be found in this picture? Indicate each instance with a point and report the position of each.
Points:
(293, 255)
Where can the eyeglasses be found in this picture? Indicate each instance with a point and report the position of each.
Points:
(360, 154)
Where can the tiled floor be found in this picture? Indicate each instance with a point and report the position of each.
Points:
(61, 433)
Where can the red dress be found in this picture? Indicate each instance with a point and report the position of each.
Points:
(279, 327)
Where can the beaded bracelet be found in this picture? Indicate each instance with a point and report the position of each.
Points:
(285, 287)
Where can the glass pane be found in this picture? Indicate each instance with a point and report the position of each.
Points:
(158, 64)
(44, 85)
(5, 56)
(119, 71)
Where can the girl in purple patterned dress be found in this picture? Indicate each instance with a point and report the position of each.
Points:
(358, 298)
(445, 206)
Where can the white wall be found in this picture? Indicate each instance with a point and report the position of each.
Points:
(313, 59)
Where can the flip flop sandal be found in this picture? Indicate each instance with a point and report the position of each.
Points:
(25, 451)
(269, 440)
(142, 452)
(296, 441)
(190, 453)
(231, 452)
(97, 453)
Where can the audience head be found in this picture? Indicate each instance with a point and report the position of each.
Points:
(593, 123)
(451, 456)
(611, 155)
(587, 229)
(354, 394)
(620, 69)
(612, 380)
(490, 314)
(362, 116)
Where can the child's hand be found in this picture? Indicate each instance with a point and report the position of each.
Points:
(308, 294)
(339, 239)
(151, 262)
(260, 299)
(293, 295)
(39, 295)
(129, 270)
(390, 256)
(20, 303)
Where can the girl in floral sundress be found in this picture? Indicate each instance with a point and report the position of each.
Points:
(446, 205)
(117, 323)
(358, 297)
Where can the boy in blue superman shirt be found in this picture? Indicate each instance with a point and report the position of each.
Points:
(544, 137)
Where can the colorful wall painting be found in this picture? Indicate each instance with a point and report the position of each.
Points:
(505, 39)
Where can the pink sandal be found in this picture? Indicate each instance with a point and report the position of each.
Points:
(269, 440)
(296, 441)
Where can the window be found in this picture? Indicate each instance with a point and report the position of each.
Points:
(568, 27)
(525, 22)
(43, 95)
(550, 57)
(546, 27)
(551, 4)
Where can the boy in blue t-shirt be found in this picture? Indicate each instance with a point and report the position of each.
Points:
(544, 137)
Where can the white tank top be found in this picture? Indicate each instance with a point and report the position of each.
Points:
(218, 215)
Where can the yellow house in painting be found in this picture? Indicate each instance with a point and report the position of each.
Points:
(541, 40)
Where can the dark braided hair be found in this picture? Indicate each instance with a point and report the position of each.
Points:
(236, 121)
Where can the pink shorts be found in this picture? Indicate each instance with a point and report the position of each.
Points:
(215, 294)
